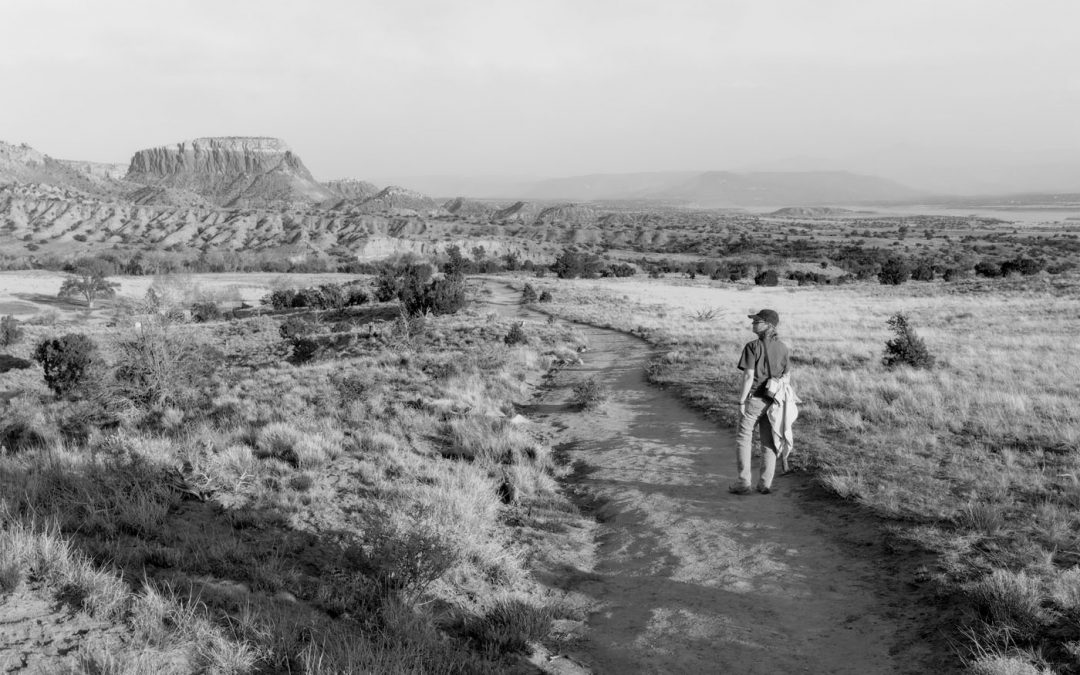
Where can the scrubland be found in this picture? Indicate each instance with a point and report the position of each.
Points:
(972, 466)
(227, 505)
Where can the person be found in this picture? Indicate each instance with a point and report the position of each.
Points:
(764, 358)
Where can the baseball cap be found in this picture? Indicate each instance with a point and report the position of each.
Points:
(768, 316)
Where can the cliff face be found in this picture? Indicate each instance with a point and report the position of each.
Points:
(21, 164)
(230, 171)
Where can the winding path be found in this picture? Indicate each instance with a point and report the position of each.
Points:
(692, 579)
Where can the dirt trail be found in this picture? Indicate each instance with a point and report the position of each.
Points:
(692, 579)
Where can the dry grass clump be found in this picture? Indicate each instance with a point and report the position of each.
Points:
(301, 449)
(589, 394)
(981, 448)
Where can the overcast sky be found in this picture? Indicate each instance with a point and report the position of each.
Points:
(551, 87)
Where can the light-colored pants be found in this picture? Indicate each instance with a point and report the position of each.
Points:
(755, 414)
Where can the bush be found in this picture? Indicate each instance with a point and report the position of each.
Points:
(528, 294)
(545, 296)
(767, 278)
(894, 272)
(572, 263)
(304, 349)
(403, 557)
(923, 271)
(386, 285)
(589, 394)
(205, 311)
(907, 348)
(10, 333)
(987, 268)
(441, 296)
(281, 298)
(67, 361)
(516, 335)
(620, 270)
(293, 327)
(159, 364)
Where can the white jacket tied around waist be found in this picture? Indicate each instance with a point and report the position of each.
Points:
(782, 413)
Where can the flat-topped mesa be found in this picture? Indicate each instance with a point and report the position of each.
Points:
(230, 171)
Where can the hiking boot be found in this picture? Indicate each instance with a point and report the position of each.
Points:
(764, 490)
(739, 489)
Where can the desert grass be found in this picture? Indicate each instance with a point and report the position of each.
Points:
(340, 515)
(976, 460)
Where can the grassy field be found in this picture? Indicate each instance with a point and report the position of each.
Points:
(976, 460)
(226, 504)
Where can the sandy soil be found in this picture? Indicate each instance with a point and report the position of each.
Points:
(691, 579)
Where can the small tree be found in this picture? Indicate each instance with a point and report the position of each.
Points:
(528, 294)
(67, 361)
(907, 348)
(90, 283)
(516, 335)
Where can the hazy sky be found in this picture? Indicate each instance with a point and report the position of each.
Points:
(550, 87)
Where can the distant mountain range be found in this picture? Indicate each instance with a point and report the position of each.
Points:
(250, 193)
(707, 189)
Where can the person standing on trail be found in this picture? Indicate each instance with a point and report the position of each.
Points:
(762, 359)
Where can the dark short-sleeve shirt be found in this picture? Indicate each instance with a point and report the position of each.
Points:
(753, 356)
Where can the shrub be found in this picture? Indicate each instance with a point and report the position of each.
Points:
(907, 348)
(621, 270)
(441, 296)
(205, 311)
(386, 285)
(516, 335)
(1022, 265)
(572, 263)
(894, 272)
(293, 327)
(10, 333)
(528, 294)
(589, 394)
(545, 296)
(404, 556)
(356, 296)
(767, 278)
(158, 363)
(281, 298)
(987, 268)
(304, 349)
(923, 271)
(67, 361)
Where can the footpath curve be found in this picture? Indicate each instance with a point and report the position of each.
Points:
(692, 579)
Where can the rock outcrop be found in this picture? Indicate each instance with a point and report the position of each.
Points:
(518, 212)
(567, 214)
(248, 172)
(398, 200)
(350, 188)
(468, 208)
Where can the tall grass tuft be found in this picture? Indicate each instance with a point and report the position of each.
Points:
(1012, 601)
